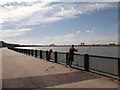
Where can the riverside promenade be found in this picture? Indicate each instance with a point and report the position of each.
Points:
(22, 71)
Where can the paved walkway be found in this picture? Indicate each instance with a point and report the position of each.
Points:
(22, 71)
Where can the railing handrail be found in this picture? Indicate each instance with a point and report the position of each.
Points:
(100, 56)
(103, 56)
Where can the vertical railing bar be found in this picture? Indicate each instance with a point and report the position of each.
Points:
(86, 62)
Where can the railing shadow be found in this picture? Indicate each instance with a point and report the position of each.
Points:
(47, 80)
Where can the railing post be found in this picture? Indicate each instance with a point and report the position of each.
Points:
(35, 53)
(67, 58)
(18, 50)
(47, 56)
(41, 54)
(55, 57)
(32, 52)
(22, 51)
(119, 69)
(26, 51)
(29, 52)
(86, 62)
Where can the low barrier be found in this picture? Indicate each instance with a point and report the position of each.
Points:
(109, 66)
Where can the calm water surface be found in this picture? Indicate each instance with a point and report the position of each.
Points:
(101, 51)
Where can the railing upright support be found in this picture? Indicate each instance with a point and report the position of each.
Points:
(36, 53)
(119, 69)
(26, 51)
(40, 54)
(86, 62)
(67, 58)
(47, 58)
(22, 51)
(29, 52)
(56, 57)
(32, 52)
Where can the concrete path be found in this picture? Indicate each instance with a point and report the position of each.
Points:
(22, 71)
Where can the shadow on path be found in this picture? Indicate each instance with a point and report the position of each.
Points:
(47, 80)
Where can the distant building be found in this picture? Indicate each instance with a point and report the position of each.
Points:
(112, 44)
(82, 43)
(52, 44)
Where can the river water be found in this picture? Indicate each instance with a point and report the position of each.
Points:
(100, 51)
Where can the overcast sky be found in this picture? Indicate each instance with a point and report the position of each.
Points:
(43, 22)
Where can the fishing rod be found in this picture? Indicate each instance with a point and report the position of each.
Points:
(51, 67)
(90, 46)
(88, 49)
(72, 68)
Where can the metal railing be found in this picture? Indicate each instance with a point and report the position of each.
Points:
(109, 66)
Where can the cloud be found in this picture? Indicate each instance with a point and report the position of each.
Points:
(78, 32)
(74, 39)
(69, 36)
(89, 31)
(41, 13)
(104, 39)
(116, 25)
(66, 36)
(14, 13)
(68, 39)
(94, 27)
(64, 39)
(54, 13)
(88, 1)
(14, 33)
(2, 2)
(19, 1)
(20, 13)
(62, 9)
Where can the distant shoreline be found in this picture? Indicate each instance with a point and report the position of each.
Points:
(69, 46)
(4, 44)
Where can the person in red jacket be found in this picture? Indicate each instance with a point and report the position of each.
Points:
(71, 55)
(49, 54)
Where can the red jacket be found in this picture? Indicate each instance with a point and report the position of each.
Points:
(49, 52)
(71, 50)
